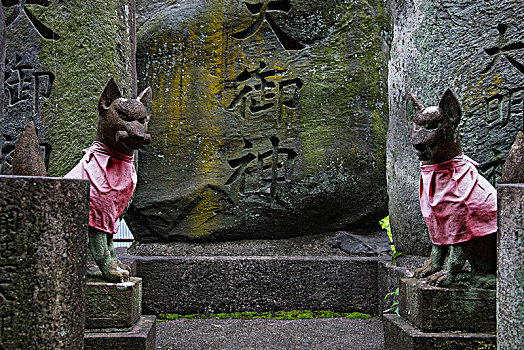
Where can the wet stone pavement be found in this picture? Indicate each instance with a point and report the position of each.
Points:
(311, 334)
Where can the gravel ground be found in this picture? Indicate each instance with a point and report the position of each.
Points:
(260, 334)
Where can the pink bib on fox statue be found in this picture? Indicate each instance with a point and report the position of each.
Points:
(459, 206)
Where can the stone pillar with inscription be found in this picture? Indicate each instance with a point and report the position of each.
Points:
(510, 285)
(59, 55)
(43, 250)
(437, 46)
(269, 118)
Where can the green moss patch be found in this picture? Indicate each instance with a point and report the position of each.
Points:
(277, 315)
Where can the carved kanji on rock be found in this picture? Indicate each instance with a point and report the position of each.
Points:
(262, 12)
(264, 90)
(262, 172)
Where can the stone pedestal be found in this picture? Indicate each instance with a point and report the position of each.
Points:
(444, 309)
(113, 316)
(43, 245)
(113, 305)
(443, 318)
(510, 285)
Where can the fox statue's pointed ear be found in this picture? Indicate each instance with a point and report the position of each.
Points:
(451, 107)
(110, 93)
(146, 98)
(413, 105)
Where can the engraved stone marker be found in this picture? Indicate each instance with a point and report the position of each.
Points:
(436, 46)
(59, 55)
(270, 118)
(510, 285)
(43, 247)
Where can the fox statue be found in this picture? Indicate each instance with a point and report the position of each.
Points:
(108, 165)
(459, 206)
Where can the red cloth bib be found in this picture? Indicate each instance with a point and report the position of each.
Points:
(113, 180)
(457, 203)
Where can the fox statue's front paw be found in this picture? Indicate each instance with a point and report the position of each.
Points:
(440, 279)
(124, 267)
(116, 274)
(424, 271)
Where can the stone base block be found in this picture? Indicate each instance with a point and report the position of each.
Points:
(401, 335)
(199, 284)
(141, 337)
(113, 305)
(443, 309)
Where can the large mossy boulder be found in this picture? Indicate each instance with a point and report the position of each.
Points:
(476, 48)
(59, 56)
(269, 118)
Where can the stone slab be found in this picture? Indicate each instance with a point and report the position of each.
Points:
(401, 335)
(200, 284)
(113, 305)
(43, 250)
(141, 337)
(444, 309)
(270, 118)
(510, 284)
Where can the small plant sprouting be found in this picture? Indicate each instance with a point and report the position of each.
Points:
(384, 223)
(394, 305)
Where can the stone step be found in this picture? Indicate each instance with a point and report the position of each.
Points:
(306, 272)
(140, 337)
(402, 335)
(200, 284)
(312, 334)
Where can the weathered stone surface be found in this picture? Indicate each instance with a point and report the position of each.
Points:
(510, 285)
(436, 45)
(43, 247)
(27, 159)
(313, 245)
(401, 335)
(200, 284)
(141, 337)
(444, 309)
(58, 58)
(363, 245)
(113, 305)
(513, 170)
(269, 118)
(271, 334)
(3, 40)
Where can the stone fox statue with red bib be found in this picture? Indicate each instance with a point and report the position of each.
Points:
(108, 165)
(459, 206)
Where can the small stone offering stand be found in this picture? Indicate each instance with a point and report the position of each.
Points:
(114, 316)
(441, 318)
